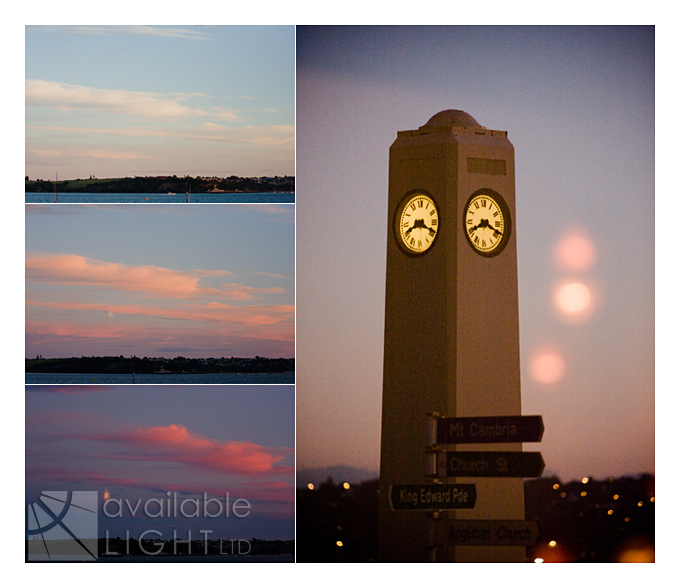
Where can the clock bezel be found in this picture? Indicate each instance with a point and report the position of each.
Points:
(507, 222)
(408, 197)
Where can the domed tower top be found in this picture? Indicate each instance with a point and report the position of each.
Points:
(452, 118)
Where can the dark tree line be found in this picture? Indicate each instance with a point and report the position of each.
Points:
(146, 365)
(164, 184)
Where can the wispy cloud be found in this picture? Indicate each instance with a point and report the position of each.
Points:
(209, 339)
(270, 275)
(63, 96)
(264, 135)
(148, 106)
(97, 153)
(154, 31)
(212, 312)
(70, 269)
(272, 135)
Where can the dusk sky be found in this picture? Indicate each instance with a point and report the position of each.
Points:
(115, 101)
(160, 281)
(578, 106)
(140, 442)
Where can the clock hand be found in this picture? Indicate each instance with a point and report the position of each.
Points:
(484, 224)
(419, 223)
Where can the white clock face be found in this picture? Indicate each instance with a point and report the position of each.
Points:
(487, 223)
(417, 223)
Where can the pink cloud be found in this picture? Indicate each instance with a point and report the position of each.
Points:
(82, 271)
(46, 332)
(213, 312)
(77, 270)
(175, 443)
(270, 340)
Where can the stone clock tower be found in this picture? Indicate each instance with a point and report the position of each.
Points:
(451, 324)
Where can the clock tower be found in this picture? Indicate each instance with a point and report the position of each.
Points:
(451, 326)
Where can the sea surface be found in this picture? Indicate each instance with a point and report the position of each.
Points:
(99, 198)
(173, 559)
(260, 378)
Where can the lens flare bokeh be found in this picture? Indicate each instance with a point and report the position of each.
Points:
(547, 366)
(575, 251)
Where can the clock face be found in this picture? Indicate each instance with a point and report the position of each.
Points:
(417, 223)
(486, 220)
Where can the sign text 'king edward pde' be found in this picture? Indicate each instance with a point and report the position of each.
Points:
(432, 496)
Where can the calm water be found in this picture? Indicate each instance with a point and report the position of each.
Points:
(274, 197)
(287, 558)
(273, 378)
(175, 559)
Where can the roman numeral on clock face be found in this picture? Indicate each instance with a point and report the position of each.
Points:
(487, 222)
(417, 223)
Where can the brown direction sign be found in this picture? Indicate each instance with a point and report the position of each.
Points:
(494, 464)
(432, 496)
(497, 429)
(489, 532)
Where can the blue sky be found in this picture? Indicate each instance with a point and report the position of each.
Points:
(114, 101)
(578, 105)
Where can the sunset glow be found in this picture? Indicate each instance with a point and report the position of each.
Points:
(228, 291)
(143, 442)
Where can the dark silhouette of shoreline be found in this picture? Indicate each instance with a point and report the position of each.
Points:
(158, 365)
(164, 184)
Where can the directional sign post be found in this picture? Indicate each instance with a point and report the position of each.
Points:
(494, 464)
(432, 496)
(489, 532)
(497, 429)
